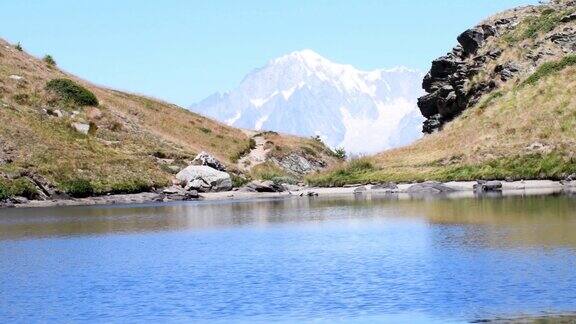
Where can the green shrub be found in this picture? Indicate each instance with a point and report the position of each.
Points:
(48, 59)
(340, 153)
(20, 187)
(205, 130)
(21, 98)
(550, 68)
(78, 188)
(130, 186)
(238, 181)
(70, 91)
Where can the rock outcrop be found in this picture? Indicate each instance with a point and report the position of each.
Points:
(298, 164)
(478, 64)
(204, 179)
(206, 159)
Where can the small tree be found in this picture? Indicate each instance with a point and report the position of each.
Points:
(18, 47)
(48, 59)
(340, 153)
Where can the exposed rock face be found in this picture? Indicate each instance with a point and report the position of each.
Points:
(206, 159)
(477, 65)
(204, 179)
(297, 164)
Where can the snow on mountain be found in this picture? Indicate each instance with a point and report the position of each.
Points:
(305, 94)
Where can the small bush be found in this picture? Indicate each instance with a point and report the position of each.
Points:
(550, 68)
(238, 181)
(70, 91)
(78, 188)
(21, 98)
(18, 47)
(205, 130)
(48, 59)
(20, 187)
(130, 186)
(340, 153)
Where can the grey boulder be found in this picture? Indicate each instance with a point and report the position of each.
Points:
(485, 186)
(430, 187)
(204, 179)
(206, 159)
(263, 186)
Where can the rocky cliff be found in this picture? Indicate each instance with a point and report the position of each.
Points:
(500, 105)
(501, 49)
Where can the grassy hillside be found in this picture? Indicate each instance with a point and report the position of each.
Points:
(524, 129)
(133, 143)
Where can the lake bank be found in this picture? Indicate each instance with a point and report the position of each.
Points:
(454, 189)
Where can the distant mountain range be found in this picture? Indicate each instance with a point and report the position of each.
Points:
(305, 94)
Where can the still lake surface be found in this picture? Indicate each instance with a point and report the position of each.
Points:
(339, 259)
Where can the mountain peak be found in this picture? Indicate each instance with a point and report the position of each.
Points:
(306, 56)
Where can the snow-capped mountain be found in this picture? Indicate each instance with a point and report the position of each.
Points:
(304, 94)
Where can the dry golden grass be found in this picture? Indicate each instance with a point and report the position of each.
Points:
(528, 132)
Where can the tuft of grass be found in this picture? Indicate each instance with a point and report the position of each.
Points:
(531, 27)
(490, 99)
(48, 59)
(205, 130)
(532, 166)
(70, 91)
(130, 186)
(21, 98)
(267, 171)
(550, 68)
(238, 181)
(355, 171)
(78, 188)
(20, 187)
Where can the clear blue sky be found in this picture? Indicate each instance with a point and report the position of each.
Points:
(183, 51)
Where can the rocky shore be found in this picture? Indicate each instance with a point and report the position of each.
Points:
(266, 190)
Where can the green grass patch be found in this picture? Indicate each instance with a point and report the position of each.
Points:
(533, 166)
(355, 171)
(549, 68)
(267, 171)
(531, 27)
(78, 188)
(20, 187)
(70, 91)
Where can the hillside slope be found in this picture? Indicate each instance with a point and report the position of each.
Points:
(501, 105)
(123, 143)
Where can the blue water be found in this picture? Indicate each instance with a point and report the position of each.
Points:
(325, 260)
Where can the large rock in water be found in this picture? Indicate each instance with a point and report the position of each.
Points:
(206, 159)
(204, 179)
(430, 187)
(263, 186)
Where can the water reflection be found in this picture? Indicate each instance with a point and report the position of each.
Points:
(530, 220)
